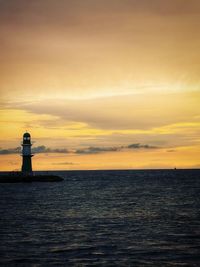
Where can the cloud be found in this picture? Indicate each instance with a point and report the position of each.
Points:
(44, 149)
(125, 112)
(10, 151)
(139, 146)
(73, 12)
(88, 150)
(96, 150)
(38, 149)
(105, 42)
(65, 163)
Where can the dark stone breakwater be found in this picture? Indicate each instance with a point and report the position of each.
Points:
(10, 178)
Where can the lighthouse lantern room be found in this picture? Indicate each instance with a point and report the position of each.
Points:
(26, 154)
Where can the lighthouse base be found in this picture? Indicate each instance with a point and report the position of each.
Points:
(27, 165)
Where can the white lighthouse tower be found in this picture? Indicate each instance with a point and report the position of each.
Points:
(26, 154)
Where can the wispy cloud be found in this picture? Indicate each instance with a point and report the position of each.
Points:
(128, 112)
(65, 163)
(171, 150)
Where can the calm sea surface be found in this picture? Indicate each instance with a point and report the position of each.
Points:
(103, 218)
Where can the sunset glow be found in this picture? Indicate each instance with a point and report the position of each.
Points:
(100, 84)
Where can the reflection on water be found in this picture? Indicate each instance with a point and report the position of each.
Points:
(102, 218)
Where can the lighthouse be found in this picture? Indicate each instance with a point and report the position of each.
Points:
(26, 154)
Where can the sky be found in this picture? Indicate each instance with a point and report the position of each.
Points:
(100, 84)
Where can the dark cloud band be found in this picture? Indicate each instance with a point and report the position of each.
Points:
(38, 149)
(89, 150)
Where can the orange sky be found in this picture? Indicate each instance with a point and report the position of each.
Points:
(114, 83)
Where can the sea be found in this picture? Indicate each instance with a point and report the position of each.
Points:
(103, 218)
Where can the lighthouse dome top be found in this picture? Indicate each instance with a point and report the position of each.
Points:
(27, 139)
(26, 135)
